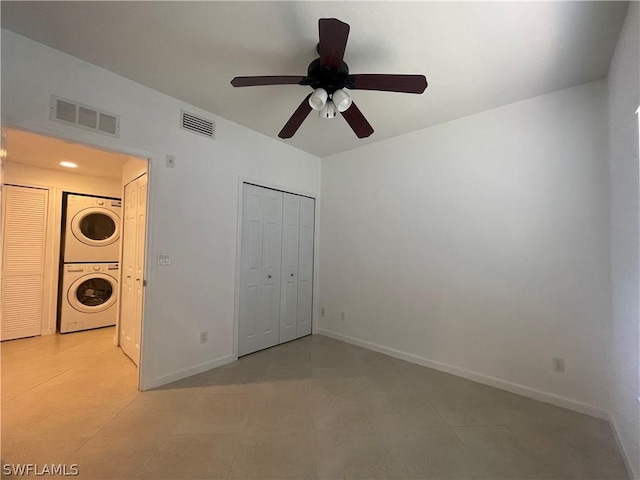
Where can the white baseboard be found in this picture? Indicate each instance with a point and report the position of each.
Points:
(185, 372)
(551, 398)
(630, 470)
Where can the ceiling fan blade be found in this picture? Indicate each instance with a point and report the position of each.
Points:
(291, 127)
(333, 41)
(357, 122)
(266, 80)
(390, 83)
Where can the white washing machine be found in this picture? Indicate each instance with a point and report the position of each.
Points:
(89, 296)
(92, 232)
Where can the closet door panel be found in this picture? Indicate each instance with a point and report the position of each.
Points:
(271, 265)
(305, 267)
(24, 237)
(260, 263)
(141, 241)
(132, 266)
(127, 267)
(250, 271)
(290, 239)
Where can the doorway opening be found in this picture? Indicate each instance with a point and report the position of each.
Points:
(74, 222)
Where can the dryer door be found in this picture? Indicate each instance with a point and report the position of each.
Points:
(96, 227)
(93, 293)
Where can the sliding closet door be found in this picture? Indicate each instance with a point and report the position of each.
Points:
(305, 267)
(290, 239)
(260, 264)
(24, 235)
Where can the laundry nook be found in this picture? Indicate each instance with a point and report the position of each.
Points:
(64, 212)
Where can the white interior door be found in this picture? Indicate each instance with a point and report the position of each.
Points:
(260, 274)
(290, 247)
(132, 267)
(305, 267)
(24, 235)
(141, 240)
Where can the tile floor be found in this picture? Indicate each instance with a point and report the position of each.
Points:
(313, 408)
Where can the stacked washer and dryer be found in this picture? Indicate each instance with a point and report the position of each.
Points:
(90, 257)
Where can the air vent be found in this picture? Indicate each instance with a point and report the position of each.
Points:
(193, 123)
(83, 116)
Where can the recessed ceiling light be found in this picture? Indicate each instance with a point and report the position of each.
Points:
(68, 164)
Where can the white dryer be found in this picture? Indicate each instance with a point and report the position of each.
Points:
(92, 232)
(89, 296)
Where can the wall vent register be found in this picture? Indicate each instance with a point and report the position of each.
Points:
(83, 116)
(196, 124)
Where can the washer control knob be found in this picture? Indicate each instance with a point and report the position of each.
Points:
(100, 202)
(96, 267)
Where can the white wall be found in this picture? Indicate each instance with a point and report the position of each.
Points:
(480, 244)
(57, 182)
(193, 207)
(132, 169)
(624, 99)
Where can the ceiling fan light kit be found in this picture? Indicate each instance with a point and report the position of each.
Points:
(318, 99)
(341, 100)
(329, 110)
(328, 76)
(328, 104)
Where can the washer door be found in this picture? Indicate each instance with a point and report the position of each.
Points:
(93, 293)
(96, 227)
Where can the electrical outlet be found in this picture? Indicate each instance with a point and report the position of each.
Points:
(322, 312)
(171, 161)
(558, 365)
(203, 337)
(342, 316)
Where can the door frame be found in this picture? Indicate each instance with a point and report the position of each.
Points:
(113, 145)
(273, 186)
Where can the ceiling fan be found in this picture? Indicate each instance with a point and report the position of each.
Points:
(329, 76)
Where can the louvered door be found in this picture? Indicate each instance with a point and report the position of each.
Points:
(23, 248)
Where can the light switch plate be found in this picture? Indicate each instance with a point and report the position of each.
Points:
(164, 259)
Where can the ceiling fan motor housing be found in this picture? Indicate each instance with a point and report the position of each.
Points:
(331, 79)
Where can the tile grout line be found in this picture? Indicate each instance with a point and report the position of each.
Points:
(151, 457)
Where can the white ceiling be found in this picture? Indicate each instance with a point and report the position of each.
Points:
(475, 55)
(47, 152)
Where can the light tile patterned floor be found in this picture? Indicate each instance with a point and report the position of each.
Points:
(313, 408)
